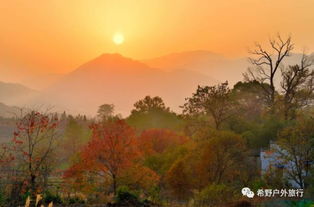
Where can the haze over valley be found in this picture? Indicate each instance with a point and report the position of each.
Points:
(113, 78)
(119, 80)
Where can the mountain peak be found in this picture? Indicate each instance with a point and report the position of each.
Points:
(111, 55)
(113, 61)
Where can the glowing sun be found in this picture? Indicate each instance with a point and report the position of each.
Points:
(118, 38)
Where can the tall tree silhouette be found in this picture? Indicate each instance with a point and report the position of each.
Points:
(266, 63)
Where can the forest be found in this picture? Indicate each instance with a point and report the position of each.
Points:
(200, 157)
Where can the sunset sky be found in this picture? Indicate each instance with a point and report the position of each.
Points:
(56, 36)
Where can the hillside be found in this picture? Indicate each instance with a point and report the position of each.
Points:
(204, 62)
(8, 111)
(112, 78)
(214, 65)
(15, 94)
(7, 122)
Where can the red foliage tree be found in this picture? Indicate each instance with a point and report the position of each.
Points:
(33, 146)
(6, 155)
(111, 150)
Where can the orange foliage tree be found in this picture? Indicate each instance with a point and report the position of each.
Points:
(217, 159)
(140, 177)
(111, 150)
(158, 140)
(178, 181)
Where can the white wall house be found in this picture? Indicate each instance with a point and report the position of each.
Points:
(271, 160)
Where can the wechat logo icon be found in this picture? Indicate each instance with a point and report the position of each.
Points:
(247, 192)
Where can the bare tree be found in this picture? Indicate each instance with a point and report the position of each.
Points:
(266, 64)
(297, 84)
(34, 143)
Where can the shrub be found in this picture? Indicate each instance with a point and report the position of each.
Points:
(2, 198)
(49, 197)
(125, 195)
(25, 196)
(243, 204)
(154, 194)
(76, 200)
(213, 194)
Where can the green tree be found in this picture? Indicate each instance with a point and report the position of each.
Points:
(76, 134)
(152, 113)
(215, 101)
(251, 99)
(105, 111)
(162, 162)
(214, 195)
(298, 85)
(149, 104)
(296, 149)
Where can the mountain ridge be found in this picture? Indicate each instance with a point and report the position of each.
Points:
(113, 78)
(14, 93)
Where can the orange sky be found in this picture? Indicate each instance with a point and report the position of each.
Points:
(56, 36)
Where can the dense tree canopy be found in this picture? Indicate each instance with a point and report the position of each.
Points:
(110, 150)
(211, 100)
(225, 139)
(149, 104)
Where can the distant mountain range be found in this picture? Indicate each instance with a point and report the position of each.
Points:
(15, 94)
(112, 78)
(8, 111)
(41, 81)
(213, 65)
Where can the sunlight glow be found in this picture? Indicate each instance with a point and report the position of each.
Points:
(118, 38)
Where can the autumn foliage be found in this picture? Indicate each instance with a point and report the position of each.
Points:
(111, 150)
(157, 157)
(158, 140)
(31, 151)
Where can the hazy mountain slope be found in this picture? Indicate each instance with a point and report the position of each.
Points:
(41, 81)
(211, 64)
(15, 94)
(8, 111)
(205, 62)
(7, 124)
(112, 78)
(185, 59)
